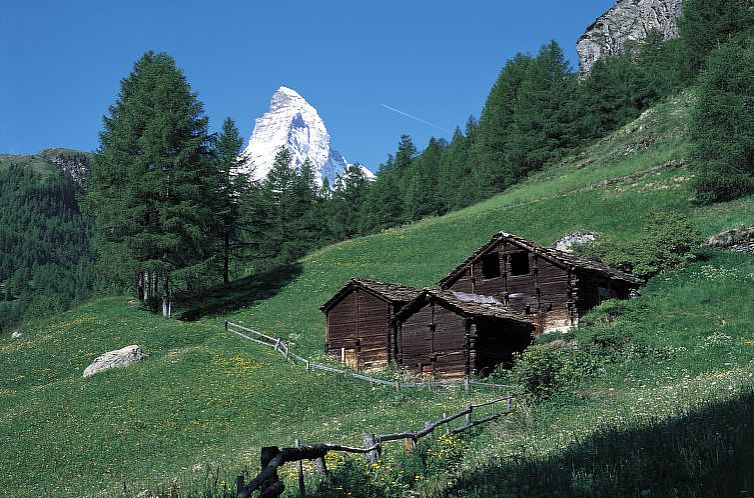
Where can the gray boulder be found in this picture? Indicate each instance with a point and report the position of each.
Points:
(17, 334)
(113, 359)
(567, 242)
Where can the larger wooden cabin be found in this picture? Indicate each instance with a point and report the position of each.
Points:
(552, 288)
(452, 335)
(358, 321)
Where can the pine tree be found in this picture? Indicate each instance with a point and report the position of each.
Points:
(491, 145)
(707, 23)
(722, 124)
(230, 189)
(152, 181)
(347, 202)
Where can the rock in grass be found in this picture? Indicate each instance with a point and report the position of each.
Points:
(567, 242)
(16, 334)
(113, 359)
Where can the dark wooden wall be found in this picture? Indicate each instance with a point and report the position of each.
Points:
(360, 322)
(495, 343)
(433, 341)
(546, 294)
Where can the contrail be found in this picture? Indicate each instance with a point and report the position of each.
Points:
(415, 118)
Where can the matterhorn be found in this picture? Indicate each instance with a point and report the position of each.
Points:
(293, 123)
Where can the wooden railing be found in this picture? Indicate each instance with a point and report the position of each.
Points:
(272, 457)
(282, 347)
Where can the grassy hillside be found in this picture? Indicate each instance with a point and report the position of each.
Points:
(206, 397)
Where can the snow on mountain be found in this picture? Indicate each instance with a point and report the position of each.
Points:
(293, 123)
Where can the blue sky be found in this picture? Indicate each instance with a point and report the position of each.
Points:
(61, 61)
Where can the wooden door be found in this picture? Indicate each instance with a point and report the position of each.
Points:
(350, 357)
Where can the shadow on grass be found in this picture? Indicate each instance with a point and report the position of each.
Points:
(707, 452)
(227, 298)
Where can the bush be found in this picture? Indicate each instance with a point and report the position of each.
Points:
(667, 241)
(543, 371)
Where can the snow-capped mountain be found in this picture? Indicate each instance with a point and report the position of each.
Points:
(292, 122)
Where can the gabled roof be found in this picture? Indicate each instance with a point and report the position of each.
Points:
(464, 304)
(561, 258)
(395, 293)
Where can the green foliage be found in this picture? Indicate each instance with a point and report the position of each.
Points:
(722, 124)
(705, 24)
(45, 250)
(668, 240)
(543, 370)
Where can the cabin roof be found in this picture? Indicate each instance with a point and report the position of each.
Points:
(468, 305)
(561, 258)
(394, 293)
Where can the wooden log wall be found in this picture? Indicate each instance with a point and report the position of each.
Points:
(360, 322)
(545, 294)
(496, 341)
(433, 341)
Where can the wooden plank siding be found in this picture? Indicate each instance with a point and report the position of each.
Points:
(358, 322)
(442, 337)
(557, 289)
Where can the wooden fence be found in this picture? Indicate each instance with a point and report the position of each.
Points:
(272, 457)
(280, 346)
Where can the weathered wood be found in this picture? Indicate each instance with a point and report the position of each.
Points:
(320, 466)
(300, 468)
(371, 442)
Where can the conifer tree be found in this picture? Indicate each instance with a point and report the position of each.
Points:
(722, 124)
(492, 139)
(230, 189)
(152, 181)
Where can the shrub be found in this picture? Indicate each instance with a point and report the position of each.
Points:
(667, 241)
(543, 371)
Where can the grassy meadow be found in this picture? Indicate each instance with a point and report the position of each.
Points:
(673, 392)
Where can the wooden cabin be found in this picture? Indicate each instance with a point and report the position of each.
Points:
(358, 321)
(552, 288)
(450, 335)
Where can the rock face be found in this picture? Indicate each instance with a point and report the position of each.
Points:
(627, 22)
(113, 359)
(567, 242)
(293, 123)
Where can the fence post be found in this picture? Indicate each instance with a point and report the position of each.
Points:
(397, 386)
(508, 403)
(320, 465)
(410, 445)
(466, 384)
(447, 424)
(307, 365)
(369, 441)
(300, 466)
(468, 415)
(239, 480)
(226, 325)
(277, 343)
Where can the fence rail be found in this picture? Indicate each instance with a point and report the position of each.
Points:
(273, 457)
(282, 347)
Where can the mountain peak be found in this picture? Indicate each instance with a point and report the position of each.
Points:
(294, 123)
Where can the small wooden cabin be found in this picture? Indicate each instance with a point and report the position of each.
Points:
(552, 288)
(450, 335)
(358, 321)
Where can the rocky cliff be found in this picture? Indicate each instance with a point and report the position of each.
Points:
(627, 22)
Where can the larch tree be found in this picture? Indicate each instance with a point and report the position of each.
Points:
(152, 181)
(231, 188)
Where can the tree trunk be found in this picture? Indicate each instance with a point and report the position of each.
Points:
(226, 258)
(139, 286)
(147, 286)
(166, 299)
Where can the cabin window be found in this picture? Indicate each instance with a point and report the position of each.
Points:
(490, 266)
(519, 263)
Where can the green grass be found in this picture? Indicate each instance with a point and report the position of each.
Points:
(207, 397)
